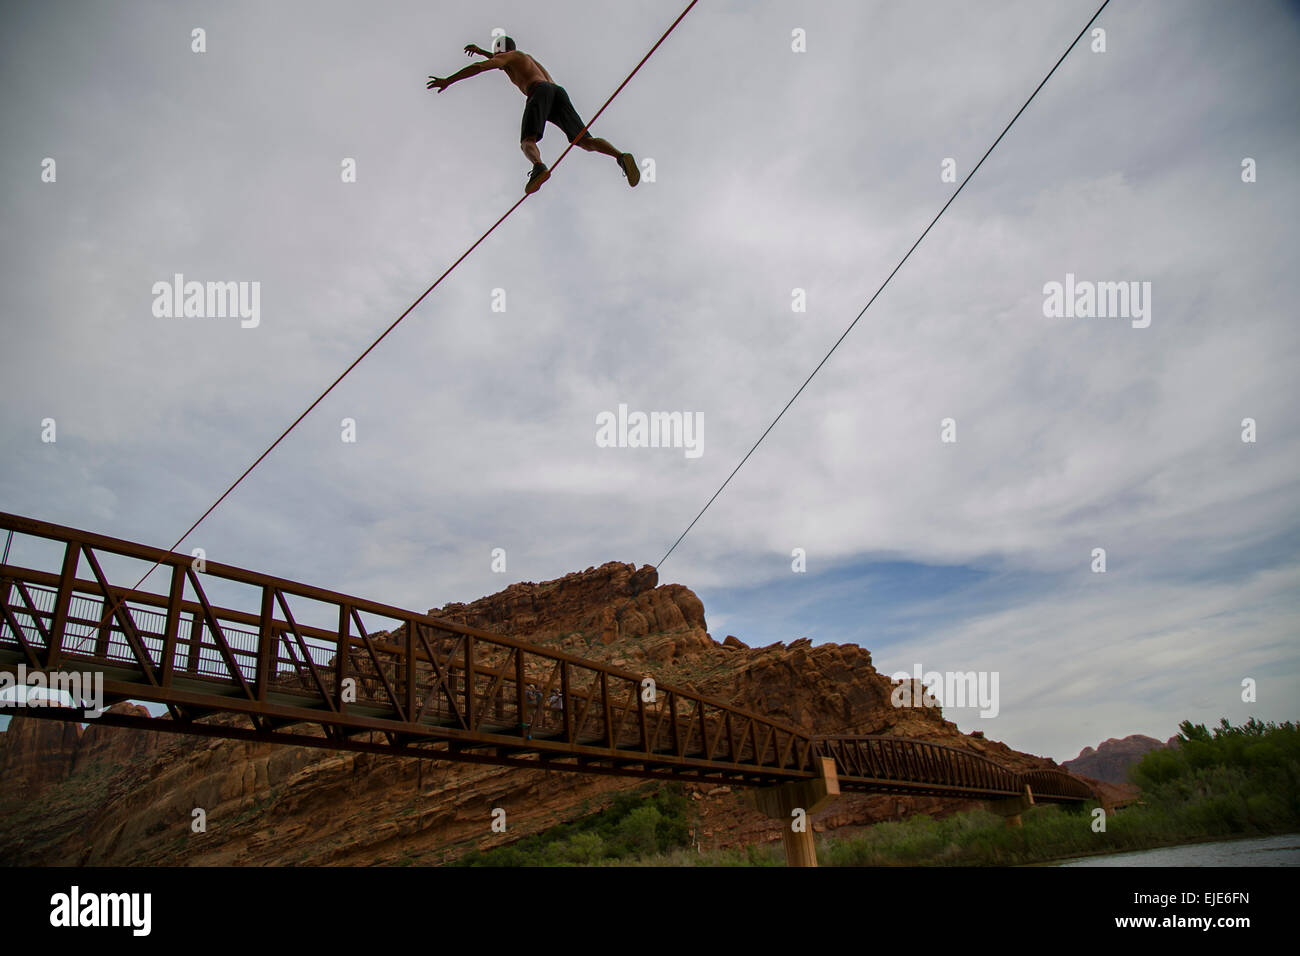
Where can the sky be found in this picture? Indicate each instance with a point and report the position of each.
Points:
(774, 170)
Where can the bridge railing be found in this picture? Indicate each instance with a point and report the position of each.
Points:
(878, 762)
(1058, 784)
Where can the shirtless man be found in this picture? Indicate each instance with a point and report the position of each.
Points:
(546, 101)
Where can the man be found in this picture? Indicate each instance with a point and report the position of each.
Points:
(546, 101)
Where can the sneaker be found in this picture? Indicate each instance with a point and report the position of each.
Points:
(630, 169)
(538, 176)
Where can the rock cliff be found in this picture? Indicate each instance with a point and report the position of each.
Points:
(1112, 758)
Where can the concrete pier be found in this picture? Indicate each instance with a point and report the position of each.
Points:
(808, 795)
(1011, 809)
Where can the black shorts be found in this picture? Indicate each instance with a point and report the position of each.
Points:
(547, 101)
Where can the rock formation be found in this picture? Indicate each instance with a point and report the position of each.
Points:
(1112, 758)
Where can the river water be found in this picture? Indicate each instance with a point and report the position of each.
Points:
(1257, 851)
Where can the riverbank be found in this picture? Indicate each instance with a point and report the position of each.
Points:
(1050, 837)
(1224, 785)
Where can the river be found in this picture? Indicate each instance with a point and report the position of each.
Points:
(1257, 851)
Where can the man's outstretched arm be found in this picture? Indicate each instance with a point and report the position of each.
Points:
(473, 69)
(473, 48)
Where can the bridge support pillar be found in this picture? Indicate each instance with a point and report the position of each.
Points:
(1011, 809)
(781, 802)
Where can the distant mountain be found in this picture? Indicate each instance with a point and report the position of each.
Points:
(1112, 758)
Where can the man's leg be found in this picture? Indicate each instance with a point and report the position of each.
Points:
(566, 117)
(594, 144)
(531, 129)
(540, 173)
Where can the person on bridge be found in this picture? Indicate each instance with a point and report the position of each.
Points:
(546, 101)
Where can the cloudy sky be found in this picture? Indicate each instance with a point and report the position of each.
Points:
(774, 170)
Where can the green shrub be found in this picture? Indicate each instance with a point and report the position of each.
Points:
(636, 832)
(636, 825)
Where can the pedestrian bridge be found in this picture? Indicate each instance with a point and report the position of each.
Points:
(301, 665)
